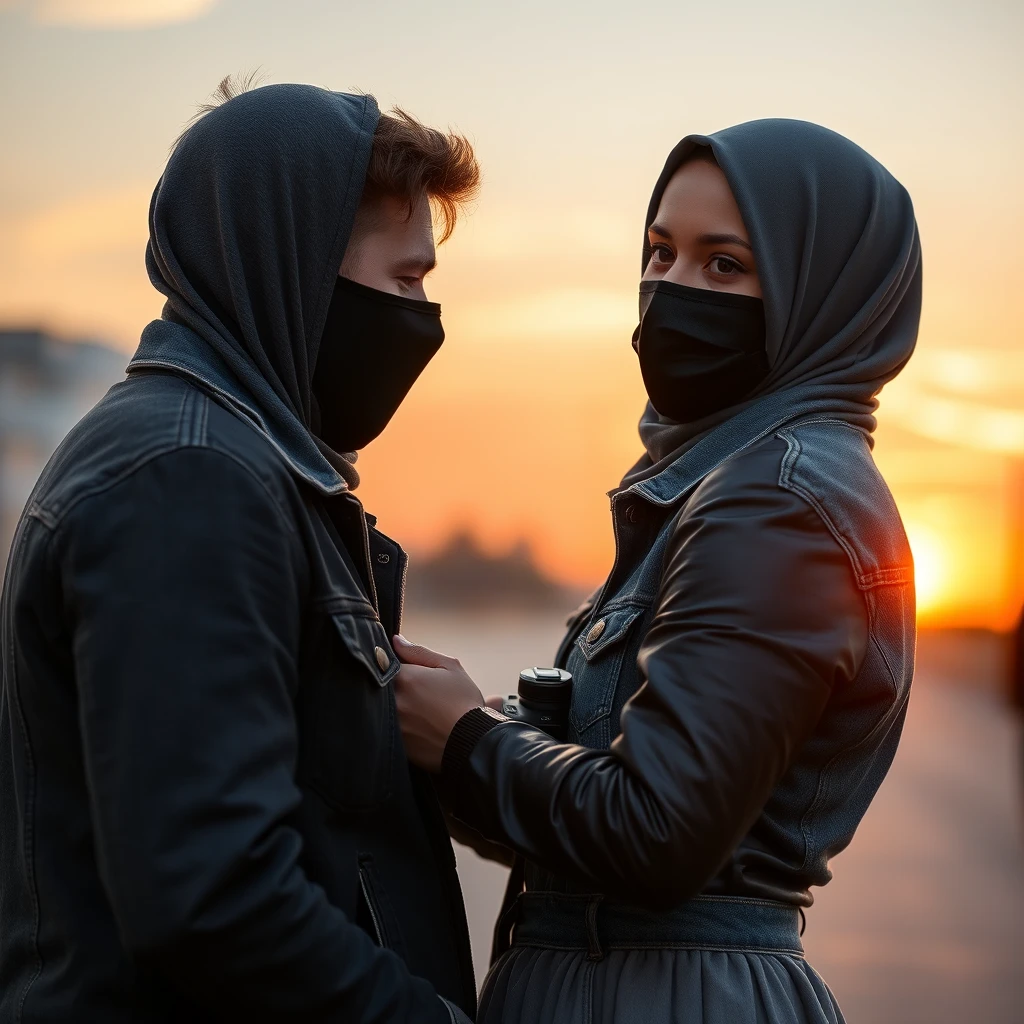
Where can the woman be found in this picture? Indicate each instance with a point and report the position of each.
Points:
(740, 681)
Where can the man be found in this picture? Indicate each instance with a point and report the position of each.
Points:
(206, 811)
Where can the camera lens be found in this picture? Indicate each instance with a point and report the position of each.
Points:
(545, 686)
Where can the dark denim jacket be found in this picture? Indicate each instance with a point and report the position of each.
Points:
(205, 806)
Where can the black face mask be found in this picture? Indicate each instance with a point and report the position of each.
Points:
(700, 351)
(374, 347)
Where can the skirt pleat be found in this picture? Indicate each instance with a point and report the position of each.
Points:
(530, 985)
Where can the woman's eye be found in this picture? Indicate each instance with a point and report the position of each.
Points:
(724, 266)
(662, 254)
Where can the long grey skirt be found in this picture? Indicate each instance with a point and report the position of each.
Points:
(717, 961)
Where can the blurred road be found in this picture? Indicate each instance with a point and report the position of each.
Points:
(924, 920)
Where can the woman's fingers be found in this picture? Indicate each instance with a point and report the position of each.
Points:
(495, 702)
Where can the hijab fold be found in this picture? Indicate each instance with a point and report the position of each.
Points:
(839, 260)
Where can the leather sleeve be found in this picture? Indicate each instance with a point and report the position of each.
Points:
(758, 618)
(184, 583)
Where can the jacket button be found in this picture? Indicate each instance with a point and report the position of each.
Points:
(383, 558)
(595, 634)
(382, 658)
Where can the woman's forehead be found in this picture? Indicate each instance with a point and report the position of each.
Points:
(696, 195)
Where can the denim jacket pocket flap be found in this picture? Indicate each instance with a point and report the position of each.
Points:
(607, 630)
(368, 643)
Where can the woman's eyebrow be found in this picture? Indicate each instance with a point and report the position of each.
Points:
(713, 239)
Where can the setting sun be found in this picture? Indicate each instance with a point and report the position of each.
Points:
(931, 569)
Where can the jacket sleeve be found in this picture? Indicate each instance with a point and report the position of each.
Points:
(184, 584)
(758, 617)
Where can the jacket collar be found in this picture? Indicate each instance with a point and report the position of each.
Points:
(754, 424)
(168, 346)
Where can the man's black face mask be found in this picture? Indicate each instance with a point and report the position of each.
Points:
(700, 351)
(374, 347)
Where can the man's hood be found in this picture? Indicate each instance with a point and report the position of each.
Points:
(248, 227)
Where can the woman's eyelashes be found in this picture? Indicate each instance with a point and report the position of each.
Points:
(662, 254)
(724, 266)
(720, 266)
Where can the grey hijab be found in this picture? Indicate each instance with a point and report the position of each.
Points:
(839, 260)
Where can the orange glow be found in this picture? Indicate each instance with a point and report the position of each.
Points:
(931, 569)
(528, 416)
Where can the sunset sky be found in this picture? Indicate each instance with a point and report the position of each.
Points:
(528, 416)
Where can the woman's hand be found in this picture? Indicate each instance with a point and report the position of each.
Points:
(432, 692)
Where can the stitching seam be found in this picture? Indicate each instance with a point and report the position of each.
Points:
(775, 950)
(145, 460)
(789, 460)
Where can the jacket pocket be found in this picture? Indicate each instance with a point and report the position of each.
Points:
(350, 712)
(376, 915)
(596, 664)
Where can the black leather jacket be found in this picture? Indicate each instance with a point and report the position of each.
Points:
(739, 686)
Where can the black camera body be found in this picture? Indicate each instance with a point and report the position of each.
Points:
(542, 701)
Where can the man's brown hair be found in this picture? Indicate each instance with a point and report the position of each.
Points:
(407, 159)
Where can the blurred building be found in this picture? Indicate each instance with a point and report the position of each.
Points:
(462, 577)
(46, 386)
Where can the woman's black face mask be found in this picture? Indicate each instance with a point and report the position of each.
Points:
(374, 347)
(700, 351)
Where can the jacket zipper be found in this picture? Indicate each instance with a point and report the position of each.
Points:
(403, 577)
(365, 531)
(370, 905)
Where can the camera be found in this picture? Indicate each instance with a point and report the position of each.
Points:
(542, 701)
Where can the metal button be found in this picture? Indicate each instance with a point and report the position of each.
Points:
(383, 558)
(382, 658)
(595, 634)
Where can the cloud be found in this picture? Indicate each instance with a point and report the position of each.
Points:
(989, 428)
(969, 398)
(118, 14)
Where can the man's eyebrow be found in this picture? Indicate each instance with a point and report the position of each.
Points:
(423, 264)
